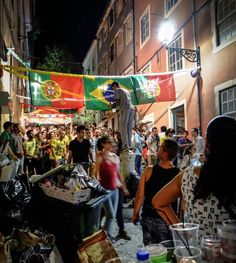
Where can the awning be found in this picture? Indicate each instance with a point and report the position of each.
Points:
(47, 115)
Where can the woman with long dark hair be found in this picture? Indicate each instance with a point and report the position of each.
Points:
(107, 171)
(210, 189)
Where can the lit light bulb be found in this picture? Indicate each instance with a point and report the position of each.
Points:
(166, 33)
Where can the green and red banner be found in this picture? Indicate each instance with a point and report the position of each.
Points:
(99, 94)
(63, 91)
(56, 90)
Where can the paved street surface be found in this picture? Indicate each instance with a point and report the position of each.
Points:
(129, 248)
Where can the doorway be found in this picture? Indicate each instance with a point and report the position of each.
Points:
(178, 119)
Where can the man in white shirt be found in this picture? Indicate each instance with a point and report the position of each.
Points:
(198, 141)
(137, 141)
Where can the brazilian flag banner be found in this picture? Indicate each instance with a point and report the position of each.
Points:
(143, 89)
(99, 94)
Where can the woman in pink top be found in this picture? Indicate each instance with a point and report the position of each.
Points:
(106, 171)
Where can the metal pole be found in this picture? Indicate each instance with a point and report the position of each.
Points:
(195, 36)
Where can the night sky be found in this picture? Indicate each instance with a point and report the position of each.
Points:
(71, 24)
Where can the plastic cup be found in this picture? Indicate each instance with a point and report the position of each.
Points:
(188, 254)
(185, 233)
(227, 258)
(170, 245)
(211, 245)
(121, 260)
(227, 233)
(229, 222)
(157, 252)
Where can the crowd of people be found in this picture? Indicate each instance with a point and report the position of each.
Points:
(204, 189)
(165, 161)
(39, 148)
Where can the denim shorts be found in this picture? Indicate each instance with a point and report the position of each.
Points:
(154, 230)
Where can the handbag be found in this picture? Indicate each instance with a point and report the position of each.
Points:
(3, 154)
(132, 182)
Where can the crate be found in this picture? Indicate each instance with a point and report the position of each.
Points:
(5, 173)
(65, 195)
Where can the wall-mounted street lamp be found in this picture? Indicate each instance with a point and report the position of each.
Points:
(166, 36)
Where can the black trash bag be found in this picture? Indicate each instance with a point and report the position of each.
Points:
(96, 187)
(90, 182)
(132, 181)
(16, 192)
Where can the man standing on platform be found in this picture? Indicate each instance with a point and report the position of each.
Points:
(123, 103)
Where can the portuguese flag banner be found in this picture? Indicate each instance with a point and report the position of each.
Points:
(67, 91)
(60, 91)
(153, 88)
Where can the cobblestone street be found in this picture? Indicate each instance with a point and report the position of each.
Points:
(125, 247)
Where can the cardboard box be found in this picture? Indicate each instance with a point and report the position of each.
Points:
(96, 249)
(65, 195)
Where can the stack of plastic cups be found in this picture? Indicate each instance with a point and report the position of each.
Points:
(227, 233)
(158, 253)
(211, 245)
(185, 237)
(169, 244)
(185, 233)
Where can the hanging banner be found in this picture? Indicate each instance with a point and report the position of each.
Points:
(154, 87)
(68, 91)
(56, 90)
(99, 94)
(143, 89)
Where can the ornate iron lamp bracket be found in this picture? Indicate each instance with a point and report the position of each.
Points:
(190, 55)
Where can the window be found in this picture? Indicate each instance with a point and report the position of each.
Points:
(105, 31)
(225, 20)
(170, 4)
(228, 101)
(119, 43)
(112, 53)
(146, 69)
(111, 18)
(128, 29)
(119, 6)
(174, 58)
(99, 42)
(93, 65)
(145, 26)
(12, 4)
(105, 64)
(128, 71)
(100, 69)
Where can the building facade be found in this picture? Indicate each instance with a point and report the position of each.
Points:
(202, 90)
(207, 24)
(15, 28)
(114, 49)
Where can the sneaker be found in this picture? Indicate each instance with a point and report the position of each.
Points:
(123, 235)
